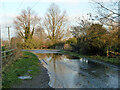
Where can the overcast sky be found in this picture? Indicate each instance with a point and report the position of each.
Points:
(11, 8)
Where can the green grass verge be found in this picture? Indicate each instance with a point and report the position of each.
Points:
(115, 61)
(27, 63)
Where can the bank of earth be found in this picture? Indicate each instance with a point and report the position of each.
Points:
(27, 65)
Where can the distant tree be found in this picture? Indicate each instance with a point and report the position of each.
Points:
(26, 24)
(5, 43)
(96, 36)
(113, 39)
(83, 24)
(40, 33)
(108, 14)
(15, 41)
(72, 40)
(94, 41)
(80, 30)
(55, 23)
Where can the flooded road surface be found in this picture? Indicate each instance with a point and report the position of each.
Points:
(71, 72)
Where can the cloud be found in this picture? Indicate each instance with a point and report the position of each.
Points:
(72, 19)
(105, 0)
(74, 2)
(8, 15)
(62, 1)
(59, 1)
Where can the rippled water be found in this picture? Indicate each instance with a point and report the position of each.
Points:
(72, 72)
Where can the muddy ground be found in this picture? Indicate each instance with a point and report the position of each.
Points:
(41, 80)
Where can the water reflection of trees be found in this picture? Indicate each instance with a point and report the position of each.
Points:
(88, 66)
(93, 70)
(72, 57)
(53, 66)
(53, 58)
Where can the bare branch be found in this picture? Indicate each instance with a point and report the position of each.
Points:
(26, 23)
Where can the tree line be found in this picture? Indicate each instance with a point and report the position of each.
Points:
(35, 31)
(101, 38)
(89, 36)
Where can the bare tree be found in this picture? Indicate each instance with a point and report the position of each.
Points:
(55, 23)
(83, 25)
(108, 12)
(40, 33)
(26, 24)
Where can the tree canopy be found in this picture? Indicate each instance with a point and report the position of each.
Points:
(26, 24)
(55, 23)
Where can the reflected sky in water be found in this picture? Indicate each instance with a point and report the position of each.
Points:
(72, 72)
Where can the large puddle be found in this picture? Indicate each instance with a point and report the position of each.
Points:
(72, 72)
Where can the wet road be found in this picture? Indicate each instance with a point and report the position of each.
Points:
(71, 72)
